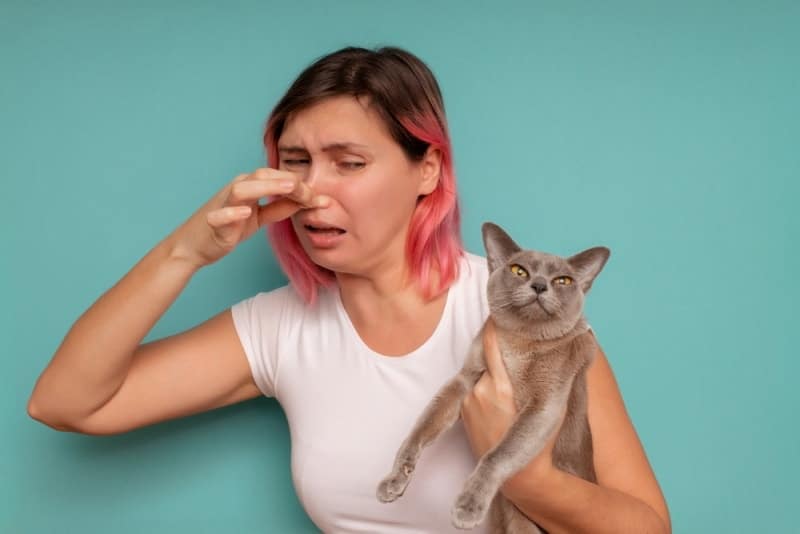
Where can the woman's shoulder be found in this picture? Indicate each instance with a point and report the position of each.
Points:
(475, 260)
(472, 280)
(277, 301)
(278, 296)
(474, 268)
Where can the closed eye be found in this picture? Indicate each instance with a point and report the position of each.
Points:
(352, 165)
(295, 162)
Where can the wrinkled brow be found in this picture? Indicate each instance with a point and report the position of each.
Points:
(332, 147)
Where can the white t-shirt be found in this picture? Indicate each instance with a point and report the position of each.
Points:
(349, 408)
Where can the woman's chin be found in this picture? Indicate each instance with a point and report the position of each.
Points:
(325, 258)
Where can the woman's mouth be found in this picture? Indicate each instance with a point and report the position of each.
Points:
(324, 236)
(324, 230)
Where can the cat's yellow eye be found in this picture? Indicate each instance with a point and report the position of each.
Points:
(563, 280)
(519, 271)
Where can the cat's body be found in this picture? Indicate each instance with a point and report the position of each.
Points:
(543, 377)
(546, 347)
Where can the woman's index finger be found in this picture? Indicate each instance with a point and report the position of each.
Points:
(494, 362)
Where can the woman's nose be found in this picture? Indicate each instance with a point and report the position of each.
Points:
(315, 177)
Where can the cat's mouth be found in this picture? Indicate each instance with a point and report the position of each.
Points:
(537, 301)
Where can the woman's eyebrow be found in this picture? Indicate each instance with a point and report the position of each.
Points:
(292, 150)
(342, 147)
(332, 147)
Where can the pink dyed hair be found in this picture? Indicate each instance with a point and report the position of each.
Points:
(403, 90)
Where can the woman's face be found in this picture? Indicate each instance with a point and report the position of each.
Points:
(342, 149)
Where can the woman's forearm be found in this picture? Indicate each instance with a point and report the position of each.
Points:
(563, 503)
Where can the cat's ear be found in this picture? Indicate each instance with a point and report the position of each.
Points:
(499, 246)
(588, 264)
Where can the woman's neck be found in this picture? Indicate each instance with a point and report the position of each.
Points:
(389, 311)
(388, 293)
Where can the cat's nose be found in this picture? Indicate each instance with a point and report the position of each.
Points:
(539, 285)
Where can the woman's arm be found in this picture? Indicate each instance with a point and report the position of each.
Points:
(626, 498)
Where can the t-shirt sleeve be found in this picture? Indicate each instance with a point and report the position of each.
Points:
(257, 321)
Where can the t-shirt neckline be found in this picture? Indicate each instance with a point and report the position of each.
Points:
(404, 358)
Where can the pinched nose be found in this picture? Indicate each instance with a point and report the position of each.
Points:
(539, 285)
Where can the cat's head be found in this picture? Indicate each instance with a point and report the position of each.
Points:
(534, 292)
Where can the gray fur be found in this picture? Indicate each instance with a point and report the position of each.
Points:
(546, 347)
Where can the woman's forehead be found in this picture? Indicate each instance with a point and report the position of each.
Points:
(333, 122)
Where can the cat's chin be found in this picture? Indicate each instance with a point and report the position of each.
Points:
(533, 310)
(537, 305)
(522, 322)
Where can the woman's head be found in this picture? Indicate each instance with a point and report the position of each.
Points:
(368, 129)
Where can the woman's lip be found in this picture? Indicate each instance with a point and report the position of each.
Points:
(324, 240)
(310, 226)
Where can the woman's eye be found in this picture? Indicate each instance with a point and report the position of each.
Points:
(519, 271)
(295, 161)
(563, 280)
(352, 165)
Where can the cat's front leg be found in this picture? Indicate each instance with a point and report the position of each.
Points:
(524, 439)
(439, 415)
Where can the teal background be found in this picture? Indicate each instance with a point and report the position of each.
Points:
(667, 131)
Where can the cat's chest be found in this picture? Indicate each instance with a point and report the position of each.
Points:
(527, 369)
(534, 374)
(538, 373)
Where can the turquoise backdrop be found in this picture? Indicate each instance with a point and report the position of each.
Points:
(667, 131)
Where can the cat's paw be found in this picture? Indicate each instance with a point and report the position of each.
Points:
(468, 511)
(393, 486)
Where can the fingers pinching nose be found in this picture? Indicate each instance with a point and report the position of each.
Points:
(321, 201)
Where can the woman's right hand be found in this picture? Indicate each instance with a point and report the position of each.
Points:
(234, 214)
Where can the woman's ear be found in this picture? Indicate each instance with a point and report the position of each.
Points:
(430, 170)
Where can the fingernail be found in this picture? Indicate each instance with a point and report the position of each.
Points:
(321, 201)
(286, 185)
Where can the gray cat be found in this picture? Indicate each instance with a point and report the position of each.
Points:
(536, 303)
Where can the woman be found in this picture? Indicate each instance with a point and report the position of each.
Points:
(381, 305)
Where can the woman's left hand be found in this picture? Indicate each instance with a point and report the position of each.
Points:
(489, 410)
